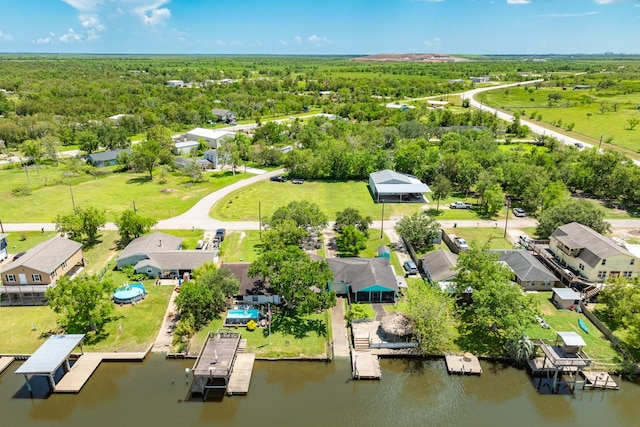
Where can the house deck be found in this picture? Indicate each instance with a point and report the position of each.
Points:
(366, 365)
(599, 380)
(241, 374)
(5, 362)
(466, 364)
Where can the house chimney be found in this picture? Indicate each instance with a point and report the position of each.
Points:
(160, 242)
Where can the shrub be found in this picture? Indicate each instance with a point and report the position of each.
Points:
(23, 190)
(357, 311)
(251, 325)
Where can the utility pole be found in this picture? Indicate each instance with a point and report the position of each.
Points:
(382, 220)
(506, 221)
(73, 202)
(600, 143)
(260, 218)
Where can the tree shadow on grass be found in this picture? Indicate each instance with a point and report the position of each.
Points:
(139, 180)
(291, 324)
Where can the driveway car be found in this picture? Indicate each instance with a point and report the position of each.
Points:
(462, 244)
(519, 212)
(410, 267)
(278, 178)
(220, 233)
(297, 181)
(460, 205)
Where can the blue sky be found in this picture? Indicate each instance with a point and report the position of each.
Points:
(320, 27)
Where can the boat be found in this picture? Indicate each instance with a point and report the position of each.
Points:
(583, 325)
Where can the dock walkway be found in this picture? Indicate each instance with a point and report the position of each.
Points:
(85, 366)
(5, 362)
(466, 364)
(366, 366)
(241, 374)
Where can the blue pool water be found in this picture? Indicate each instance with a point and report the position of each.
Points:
(129, 293)
(240, 316)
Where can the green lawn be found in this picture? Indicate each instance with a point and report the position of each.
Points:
(332, 197)
(25, 240)
(598, 347)
(101, 254)
(140, 325)
(189, 237)
(493, 236)
(289, 338)
(239, 246)
(169, 194)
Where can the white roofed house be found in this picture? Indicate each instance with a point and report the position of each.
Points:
(213, 137)
(25, 280)
(390, 186)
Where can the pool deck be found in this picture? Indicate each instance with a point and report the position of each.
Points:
(85, 366)
(5, 362)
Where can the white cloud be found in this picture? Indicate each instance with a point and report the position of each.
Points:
(150, 12)
(319, 41)
(568, 15)
(71, 36)
(5, 37)
(44, 40)
(518, 1)
(153, 14)
(297, 40)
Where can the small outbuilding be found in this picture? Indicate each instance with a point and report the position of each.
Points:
(565, 298)
(384, 252)
(186, 147)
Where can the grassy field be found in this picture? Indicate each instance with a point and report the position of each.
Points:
(492, 236)
(289, 338)
(242, 205)
(167, 195)
(598, 347)
(239, 246)
(140, 325)
(582, 108)
(22, 241)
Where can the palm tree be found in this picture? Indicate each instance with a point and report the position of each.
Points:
(522, 349)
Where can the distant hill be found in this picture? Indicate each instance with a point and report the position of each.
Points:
(409, 57)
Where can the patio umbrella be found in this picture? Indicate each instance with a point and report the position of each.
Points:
(397, 324)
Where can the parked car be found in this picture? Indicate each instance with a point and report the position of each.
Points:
(297, 181)
(410, 267)
(519, 212)
(278, 178)
(462, 244)
(460, 205)
(18, 255)
(220, 233)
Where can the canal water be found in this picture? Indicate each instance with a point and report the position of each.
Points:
(411, 393)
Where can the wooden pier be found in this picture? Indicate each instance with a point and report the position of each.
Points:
(5, 362)
(365, 365)
(241, 374)
(85, 366)
(599, 380)
(466, 364)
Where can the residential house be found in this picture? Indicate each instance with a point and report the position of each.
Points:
(591, 255)
(384, 252)
(456, 81)
(225, 116)
(482, 79)
(251, 290)
(439, 265)
(438, 104)
(185, 147)
(364, 279)
(213, 137)
(185, 163)
(529, 273)
(106, 158)
(25, 280)
(160, 255)
(117, 118)
(175, 83)
(390, 186)
(4, 251)
(211, 155)
(565, 298)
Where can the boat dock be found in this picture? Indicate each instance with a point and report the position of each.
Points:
(466, 364)
(365, 365)
(241, 374)
(5, 362)
(85, 366)
(599, 380)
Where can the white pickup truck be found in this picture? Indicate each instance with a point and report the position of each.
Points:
(460, 205)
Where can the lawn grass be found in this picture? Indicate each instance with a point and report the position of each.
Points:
(169, 194)
(140, 325)
(598, 347)
(102, 253)
(493, 236)
(241, 246)
(289, 338)
(189, 237)
(332, 197)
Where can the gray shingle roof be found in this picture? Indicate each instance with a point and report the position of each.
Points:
(155, 242)
(248, 285)
(106, 156)
(440, 264)
(177, 260)
(360, 273)
(47, 256)
(526, 266)
(595, 247)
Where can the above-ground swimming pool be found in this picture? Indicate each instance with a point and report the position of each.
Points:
(240, 316)
(128, 294)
